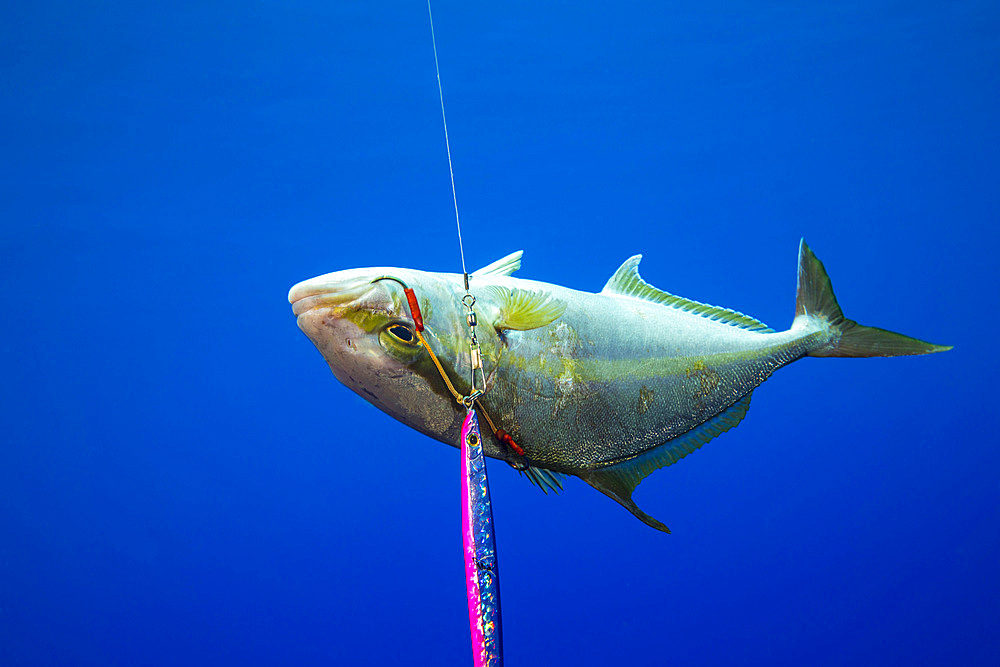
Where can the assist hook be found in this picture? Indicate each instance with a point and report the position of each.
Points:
(411, 300)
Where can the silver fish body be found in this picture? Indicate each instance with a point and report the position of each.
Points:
(617, 376)
(607, 386)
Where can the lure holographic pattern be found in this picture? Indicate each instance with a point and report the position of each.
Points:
(482, 577)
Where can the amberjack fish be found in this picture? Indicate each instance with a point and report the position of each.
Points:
(608, 387)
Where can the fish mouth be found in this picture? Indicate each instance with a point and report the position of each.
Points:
(327, 291)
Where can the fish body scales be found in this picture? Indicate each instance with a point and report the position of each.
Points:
(616, 376)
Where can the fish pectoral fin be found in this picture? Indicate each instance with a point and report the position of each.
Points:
(618, 481)
(546, 480)
(523, 309)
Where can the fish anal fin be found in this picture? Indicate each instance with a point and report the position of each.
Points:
(619, 480)
(611, 484)
(627, 282)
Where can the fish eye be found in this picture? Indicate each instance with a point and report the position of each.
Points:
(400, 342)
(401, 332)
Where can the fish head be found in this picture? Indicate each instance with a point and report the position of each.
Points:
(360, 322)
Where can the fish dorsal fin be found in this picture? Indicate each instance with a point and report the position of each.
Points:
(618, 481)
(626, 282)
(523, 309)
(502, 267)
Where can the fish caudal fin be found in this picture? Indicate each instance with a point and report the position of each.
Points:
(815, 300)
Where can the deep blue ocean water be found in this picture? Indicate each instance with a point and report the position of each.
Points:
(182, 480)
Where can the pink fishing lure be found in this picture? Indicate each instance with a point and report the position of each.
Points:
(482, 577)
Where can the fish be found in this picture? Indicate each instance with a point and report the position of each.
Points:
(607, 387)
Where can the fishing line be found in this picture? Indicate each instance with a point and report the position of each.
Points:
(482, 579)
(447, 145)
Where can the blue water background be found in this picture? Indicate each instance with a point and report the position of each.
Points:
(182, 480)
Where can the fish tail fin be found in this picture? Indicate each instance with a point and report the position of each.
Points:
(815, 301)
